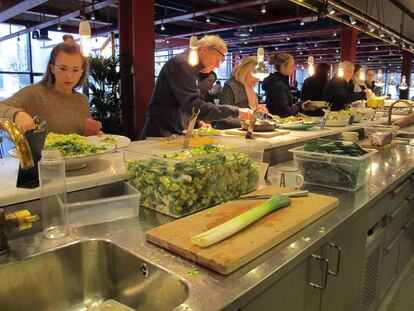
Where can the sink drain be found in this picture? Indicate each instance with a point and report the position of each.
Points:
(144, 270)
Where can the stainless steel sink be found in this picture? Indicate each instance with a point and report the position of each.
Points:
(84, 276)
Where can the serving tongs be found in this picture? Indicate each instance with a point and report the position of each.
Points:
(294, 194)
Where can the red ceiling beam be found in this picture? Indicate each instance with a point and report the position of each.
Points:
(87, 9)
(222, 8)
(9, 9)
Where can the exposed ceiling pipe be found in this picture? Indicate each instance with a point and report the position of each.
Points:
(87, 9)
(9, 9)
(357, 27)
(210, 11)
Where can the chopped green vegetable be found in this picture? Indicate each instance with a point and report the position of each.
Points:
(205, 132)
(334, 147)
(187, 181)
(241, 221)
(193, 271)
(71, 144)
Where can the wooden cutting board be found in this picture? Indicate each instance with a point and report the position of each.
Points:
(240, 132)
(237, 250)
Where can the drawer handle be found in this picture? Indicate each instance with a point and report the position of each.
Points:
(338, 259)
(325, 262)
(396, 239)
(397, 211)
(401, 187)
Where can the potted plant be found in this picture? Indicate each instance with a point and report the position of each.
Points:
(104, 91)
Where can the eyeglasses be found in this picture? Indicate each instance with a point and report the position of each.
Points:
(65, 70)
(223, 56)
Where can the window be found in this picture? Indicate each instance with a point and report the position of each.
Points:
(12, 82)
(13, 52)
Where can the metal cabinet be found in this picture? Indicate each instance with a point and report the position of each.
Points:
(329, 279)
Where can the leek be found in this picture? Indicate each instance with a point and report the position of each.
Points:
(239, 222)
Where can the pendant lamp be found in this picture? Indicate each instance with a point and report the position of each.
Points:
(85, 37)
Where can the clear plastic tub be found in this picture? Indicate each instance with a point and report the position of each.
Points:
(333, 171)
(182, 185)
(102, 204)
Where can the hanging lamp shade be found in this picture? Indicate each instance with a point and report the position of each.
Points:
(403, 85)
(379, 82)
(193, 52)
(260, 71)
(311, 65)
(85, 37)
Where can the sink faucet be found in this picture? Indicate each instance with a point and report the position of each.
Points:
(22, 146)
(16, 221)
(407, 102)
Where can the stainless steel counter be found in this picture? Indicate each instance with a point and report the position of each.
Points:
(211, 291)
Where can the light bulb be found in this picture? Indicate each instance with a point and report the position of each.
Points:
(335, 33)
(162, 28)
(392, 80)
(59, 27)
(352, 20)
(263, 9)
(260, 71)
(331, 10)
(362, 74)
(85, 37)
(403, 85)
(93, 16)
(193, 53)
(311, 70)
(311, 60)
(340, 70)
(207, 19)
(379, 82)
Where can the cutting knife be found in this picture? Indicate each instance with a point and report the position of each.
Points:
(294, 194)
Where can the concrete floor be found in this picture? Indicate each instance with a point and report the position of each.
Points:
(400, 297)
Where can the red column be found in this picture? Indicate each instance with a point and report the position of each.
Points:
(125, 52)
(143, 48)
(348, 44)
(406, 71)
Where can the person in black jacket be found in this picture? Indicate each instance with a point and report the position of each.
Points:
(313, 85)
(339, 92)
(176, 93)
(279, 99)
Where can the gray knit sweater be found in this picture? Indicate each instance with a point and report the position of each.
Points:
(63, 113)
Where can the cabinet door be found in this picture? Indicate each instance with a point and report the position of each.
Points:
(292, 292)
(346, 255)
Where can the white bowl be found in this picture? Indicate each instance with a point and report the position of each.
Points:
(318, 104)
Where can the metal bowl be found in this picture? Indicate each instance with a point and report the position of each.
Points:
(260, 127)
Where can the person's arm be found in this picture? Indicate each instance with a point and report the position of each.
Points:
(186, 92)
(306, 92)
(12, 108)
(405, 121)
(340, 96)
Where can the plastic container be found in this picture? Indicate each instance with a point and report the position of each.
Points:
(179, 187)
(52, 180)
(381, 128)
(333, 171)
(101, 204)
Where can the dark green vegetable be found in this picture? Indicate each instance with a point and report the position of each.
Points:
(334, 147)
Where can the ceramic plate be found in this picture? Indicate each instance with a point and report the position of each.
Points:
(117, 140)
(80, 161)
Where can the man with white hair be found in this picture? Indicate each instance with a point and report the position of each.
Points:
(176, 93)
(338, 92)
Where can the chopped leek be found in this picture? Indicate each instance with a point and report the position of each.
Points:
(239, 222)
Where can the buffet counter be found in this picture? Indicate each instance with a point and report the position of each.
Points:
(250, 287)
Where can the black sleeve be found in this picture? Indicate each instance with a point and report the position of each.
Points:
(279, 102)
(339, 95)
(306, 92)
(186, 92)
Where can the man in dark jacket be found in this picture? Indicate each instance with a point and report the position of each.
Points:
(338, 92)
(176, 93)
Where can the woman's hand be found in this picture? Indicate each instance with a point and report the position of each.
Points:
(306, 106)
(204, 125)
(244, 114)
(369, 93)
(24, 121)
(262, 109)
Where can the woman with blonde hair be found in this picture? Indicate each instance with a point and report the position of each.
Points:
(279, 99)
(238, 91)
(54, 99)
